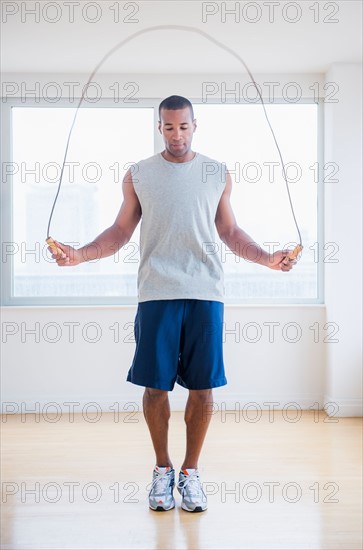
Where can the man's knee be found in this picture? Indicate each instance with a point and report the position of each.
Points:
(201, 395)
(155, 394)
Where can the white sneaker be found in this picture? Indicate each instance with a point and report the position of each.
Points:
(189, 486)
(161, 493)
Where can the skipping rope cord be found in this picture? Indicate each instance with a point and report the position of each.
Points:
(50, 241)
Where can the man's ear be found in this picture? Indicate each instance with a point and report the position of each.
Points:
(159, 126)
(194, 125)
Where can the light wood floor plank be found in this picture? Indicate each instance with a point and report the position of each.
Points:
(316, 461)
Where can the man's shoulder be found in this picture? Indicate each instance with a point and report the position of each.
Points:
(213, 168)
(148, 160)
(206, 158)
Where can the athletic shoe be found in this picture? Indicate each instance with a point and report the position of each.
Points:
(161, 493)
(189, 486)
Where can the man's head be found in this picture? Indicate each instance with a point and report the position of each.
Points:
(177, 125)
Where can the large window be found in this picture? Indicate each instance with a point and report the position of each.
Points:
(104, 142)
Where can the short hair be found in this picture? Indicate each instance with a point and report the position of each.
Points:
(175, 102)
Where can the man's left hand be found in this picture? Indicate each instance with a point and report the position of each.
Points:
(280, 262)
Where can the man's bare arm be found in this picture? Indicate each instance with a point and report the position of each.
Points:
(239, 241)
(114, 237)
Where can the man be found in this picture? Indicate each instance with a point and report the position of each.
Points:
(181, 197)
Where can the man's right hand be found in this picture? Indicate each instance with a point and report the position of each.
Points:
(70, 256)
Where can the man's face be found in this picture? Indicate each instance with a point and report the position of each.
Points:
(177, 128)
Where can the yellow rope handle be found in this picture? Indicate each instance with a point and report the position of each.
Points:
(294, 253)
(54, 248)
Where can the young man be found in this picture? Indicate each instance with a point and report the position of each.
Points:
(181, 196)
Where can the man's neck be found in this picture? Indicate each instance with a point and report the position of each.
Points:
(186, 158)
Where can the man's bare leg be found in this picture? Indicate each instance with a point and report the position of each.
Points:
(198, 412)
(157, 413)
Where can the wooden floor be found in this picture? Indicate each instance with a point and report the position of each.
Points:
(272, 484)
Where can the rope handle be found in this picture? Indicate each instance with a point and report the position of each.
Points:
(53, 247)
(293, 254)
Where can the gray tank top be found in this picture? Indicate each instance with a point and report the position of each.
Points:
(179, 254)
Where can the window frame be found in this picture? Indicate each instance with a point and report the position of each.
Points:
(7, 267)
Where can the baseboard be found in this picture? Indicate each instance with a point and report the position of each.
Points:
(343, 407)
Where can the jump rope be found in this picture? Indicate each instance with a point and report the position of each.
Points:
(292, 255)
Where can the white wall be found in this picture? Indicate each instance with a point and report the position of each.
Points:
(48, 86)
(343, 215)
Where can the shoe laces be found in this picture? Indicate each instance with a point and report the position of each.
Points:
(191, 481)
(160, 482)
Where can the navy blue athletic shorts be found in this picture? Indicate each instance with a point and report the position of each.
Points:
(178, 341)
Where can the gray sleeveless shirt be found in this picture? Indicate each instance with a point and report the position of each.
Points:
(179, 255)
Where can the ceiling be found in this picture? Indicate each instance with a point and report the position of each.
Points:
(270, 42)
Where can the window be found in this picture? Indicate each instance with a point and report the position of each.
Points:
(104, 141)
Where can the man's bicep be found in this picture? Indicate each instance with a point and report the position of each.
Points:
(130, 212)
(225, 218)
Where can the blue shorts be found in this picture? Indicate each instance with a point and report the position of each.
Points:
(178, 341)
